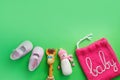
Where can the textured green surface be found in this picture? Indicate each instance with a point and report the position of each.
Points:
(54, 24)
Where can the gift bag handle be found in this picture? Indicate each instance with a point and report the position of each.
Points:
(88, 37)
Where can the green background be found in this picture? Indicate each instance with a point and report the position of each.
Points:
(54, 24)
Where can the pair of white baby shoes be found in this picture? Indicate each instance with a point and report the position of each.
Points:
(25, 48)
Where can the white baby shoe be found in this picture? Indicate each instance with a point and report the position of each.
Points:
(21, 50)
(35, 59)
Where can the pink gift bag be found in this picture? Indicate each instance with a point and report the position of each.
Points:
(98, 60)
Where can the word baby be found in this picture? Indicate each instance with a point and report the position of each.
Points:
(106, 65)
